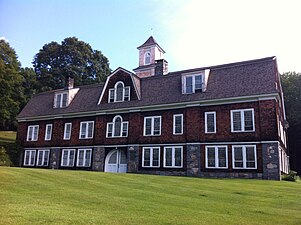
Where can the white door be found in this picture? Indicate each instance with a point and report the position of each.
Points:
(116, 162)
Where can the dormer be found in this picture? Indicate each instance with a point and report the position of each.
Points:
(120, 86)
(150, 53)
(63, 98)
(194, 82)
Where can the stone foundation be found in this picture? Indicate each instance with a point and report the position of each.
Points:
(98, 159)
(193, 160)
(270, 158)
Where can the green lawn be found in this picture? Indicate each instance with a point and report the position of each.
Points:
(36, 196)
(7, 136)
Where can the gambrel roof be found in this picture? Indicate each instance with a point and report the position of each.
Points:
(246, 79)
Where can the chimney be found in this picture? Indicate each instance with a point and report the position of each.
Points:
(161, 67)
(69, 82)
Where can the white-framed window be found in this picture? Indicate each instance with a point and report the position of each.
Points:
(43, 157)
(242, 120)
(86, 130)
(117, 128)
(217, 157)
(119, 93)
(84, 157)
(48, 132)
(33, 133)
(152, 126)
(147, 58)
(67, 131)
(178, 124)
(244, 157)
(68, 156)
(210, 122)
(173, 157)
(192, 83)
(151, 157)
(61, 100)
(29, 157)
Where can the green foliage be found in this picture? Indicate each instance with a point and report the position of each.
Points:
(4, 157)
(291, 85)
(40, 196)
(291, 176)
(11, 90)
(70, 58)
(29, 83)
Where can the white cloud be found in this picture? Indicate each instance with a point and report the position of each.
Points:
(203, 33)
(3, 38)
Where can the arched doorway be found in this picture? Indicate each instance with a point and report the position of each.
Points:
(116, 162)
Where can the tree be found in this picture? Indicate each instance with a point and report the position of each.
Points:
(11, 91)
(291, 85)
(70, 58)
(29, 84)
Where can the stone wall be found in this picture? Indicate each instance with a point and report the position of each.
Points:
(98, 159)
(193, 160)
(270, 158)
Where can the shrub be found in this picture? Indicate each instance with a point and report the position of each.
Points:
(4, 157)
(291, 176)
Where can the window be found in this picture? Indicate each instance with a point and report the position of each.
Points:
(147, 58)
(68, 156)
(244, 157)
(151, 157)
(178, 124)
(210, 122)
(216, 157)
(67, 131)
(117, 128)
(173, 157)
(29, 157)
(61, 100)
(84, 157)
(86, 130)
(242, 120)
(119, 93)
(43, 158)
(33, 133)
(192, 83)
(152, 126)
(48, 132)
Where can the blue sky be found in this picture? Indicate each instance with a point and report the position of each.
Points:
(194, 33)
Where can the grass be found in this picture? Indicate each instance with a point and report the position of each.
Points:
(37, 196)
(7, 137)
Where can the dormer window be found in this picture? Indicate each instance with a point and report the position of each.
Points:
(192, 83)
(147, 58)
(119, 93)
(61, 100)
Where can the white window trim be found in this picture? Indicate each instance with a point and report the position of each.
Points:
(174, 124)
(32, 135)
(151, 157)
(61, 101)
(46, 134)
(68, 159)
(115, 92)
(206, 126)
(84, 159)
(87, 128)
(152, 125)
(30, 163)
(113, 127)
(148, 52)
(242, 121)
(43, 153)
(65, 129)
(216, 147)
(184, 91)
(244, 157)
(173, 157)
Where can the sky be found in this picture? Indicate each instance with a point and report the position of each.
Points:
(193, 33)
